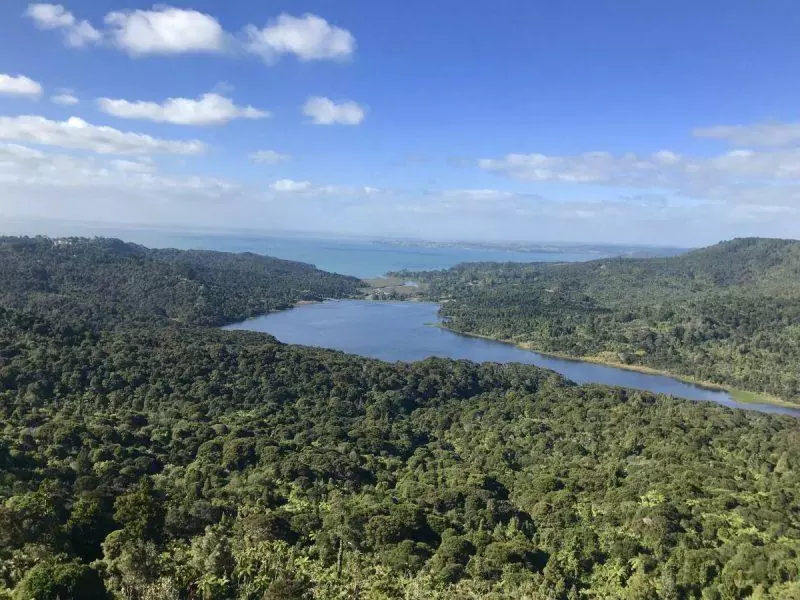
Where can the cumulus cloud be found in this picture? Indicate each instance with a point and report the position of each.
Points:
(50, 16)
(168, 30)
(308, 37)
(165, 30)
(162, 30)
(208, 109)
(324, 111)
(773, 135)
(290, 185)
(65, 98)
(77, 134)
(55, 16)
(19, 85)
(82, 34)
(269, 157)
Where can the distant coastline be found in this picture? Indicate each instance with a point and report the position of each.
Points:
(601, 250)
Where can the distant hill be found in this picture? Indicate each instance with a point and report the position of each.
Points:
(727, 314)
(751, 262)
(106, 282)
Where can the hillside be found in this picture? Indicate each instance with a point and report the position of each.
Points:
(157, 462)
(188, 463)
(108, 283)
(728, 314)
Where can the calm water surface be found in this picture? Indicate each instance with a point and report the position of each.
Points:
(365, 258)
(370, 259)
(402, 331)
(348, 256)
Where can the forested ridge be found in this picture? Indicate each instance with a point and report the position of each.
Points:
(173, 461)
(108, 283)
(727, 314)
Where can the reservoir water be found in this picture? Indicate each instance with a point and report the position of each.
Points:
(404, 331)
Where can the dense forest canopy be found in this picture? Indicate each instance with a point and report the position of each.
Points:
(728, 314)
(108, 283)
(174, 461)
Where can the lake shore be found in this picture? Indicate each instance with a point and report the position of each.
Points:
(405, 335)
(739, 395)
(391, 288)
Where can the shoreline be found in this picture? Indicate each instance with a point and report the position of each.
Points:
(739, 395)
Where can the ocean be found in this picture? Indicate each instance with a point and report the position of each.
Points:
(373, 258)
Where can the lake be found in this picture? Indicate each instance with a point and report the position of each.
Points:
(404, 331)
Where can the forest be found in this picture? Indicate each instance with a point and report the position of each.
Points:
(727, 314)
(106, 283)
(153, 457)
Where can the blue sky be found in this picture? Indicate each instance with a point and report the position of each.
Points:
(636, 122)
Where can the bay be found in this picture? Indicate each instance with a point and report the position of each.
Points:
(367, 258)
(406, 331)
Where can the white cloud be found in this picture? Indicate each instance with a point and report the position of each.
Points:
(55, 16)
(20, 164)
(309, 190)
(662, 169)
(17, 152)
(344, 191)
(478, 194)
(82, 34)
(209, 109)
(289, 185)
(19, 85)
(77, 134)
(269, 157)
(308, 37)
(65, 98)
(737, 187)
(760, 134)
(479, 201)
(165, 30)
(145, 165)
(591, 167)
(323, 111)
(170, 30)
(53, 185)
(50, 16)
